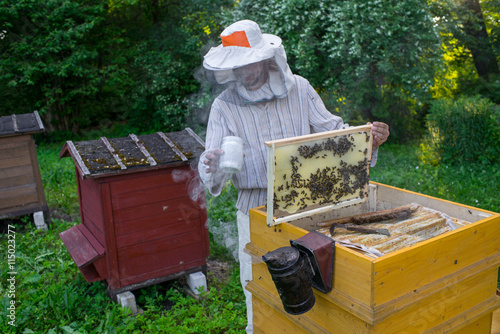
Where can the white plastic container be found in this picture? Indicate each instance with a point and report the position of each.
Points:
(232, 159)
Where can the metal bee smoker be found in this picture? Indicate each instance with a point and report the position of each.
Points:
(295, 270)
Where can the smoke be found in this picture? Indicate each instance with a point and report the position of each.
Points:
(196, 189)
(226, 235)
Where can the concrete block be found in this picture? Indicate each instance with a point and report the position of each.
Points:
(39, 221)
(127, 299)
(196, 282)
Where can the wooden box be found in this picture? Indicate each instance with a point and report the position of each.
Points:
(142, 209)
(21, 188)
(445, 284)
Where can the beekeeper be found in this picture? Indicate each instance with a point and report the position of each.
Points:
(262, 101)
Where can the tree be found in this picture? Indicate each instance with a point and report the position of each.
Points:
(477, 39)
(53, 58)
(369, 59)
(470, 31)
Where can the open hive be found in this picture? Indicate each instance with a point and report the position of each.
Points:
(421, 224)
(440, 277)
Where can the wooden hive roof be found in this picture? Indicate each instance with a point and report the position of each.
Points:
(103, 157)
(15, 125)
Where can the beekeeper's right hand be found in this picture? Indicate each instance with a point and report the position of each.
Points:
(212, 160)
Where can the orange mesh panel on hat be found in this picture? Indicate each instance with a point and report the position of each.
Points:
(237, 38)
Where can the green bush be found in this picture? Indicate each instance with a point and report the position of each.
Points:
(466, 129)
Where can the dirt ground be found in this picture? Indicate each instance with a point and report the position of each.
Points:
(218, 271)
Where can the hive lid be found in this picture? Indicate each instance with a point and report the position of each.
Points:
(103, 157)
(317, 173)
(20, 124)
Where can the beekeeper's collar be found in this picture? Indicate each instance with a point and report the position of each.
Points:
(243, 43)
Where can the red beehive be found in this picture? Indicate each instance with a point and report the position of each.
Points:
(142, 208)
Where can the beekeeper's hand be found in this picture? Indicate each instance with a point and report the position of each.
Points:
(212, 160)
(380, 133)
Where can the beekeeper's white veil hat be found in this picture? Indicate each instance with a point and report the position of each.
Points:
(242, 44)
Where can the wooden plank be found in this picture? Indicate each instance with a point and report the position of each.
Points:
(163, 274)
(113, 276)
(160, 193)
(390, 197)
(6, 142)
(36, 172)
(157, 254)
(161, 230)
(195, 136)
(78, 246)
(481, 325)
(475, 318)
(18, 196)
(17, 180)
(113, 152)
(149, 210)
(17, 161)
(441, 306)
(91, 210)
(152, 178)
(15, 171)
(172, 145)
(316, 136)
(413, 267)
(388, 309)
(99, 248)
(11, 150)
(140, 145)
(77, 158)
(15, 127)
(38, 120)
(22, 210)
(156, 215)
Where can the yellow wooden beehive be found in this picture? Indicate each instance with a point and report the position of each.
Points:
(445, 284)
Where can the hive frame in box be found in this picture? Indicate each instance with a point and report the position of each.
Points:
(444, 284)
(311, 141)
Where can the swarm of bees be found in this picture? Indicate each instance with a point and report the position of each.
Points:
(327, 184)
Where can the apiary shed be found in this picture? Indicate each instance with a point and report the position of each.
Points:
(142, 210)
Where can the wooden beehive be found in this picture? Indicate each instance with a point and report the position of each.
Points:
(142, 208)
(447, 283)
(21, 188)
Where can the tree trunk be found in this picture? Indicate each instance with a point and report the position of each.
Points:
(478, 41)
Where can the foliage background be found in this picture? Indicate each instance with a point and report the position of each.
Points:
(105, 63)
(114, 67)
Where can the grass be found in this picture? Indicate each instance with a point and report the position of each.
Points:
(470, 184)
(52, 296)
